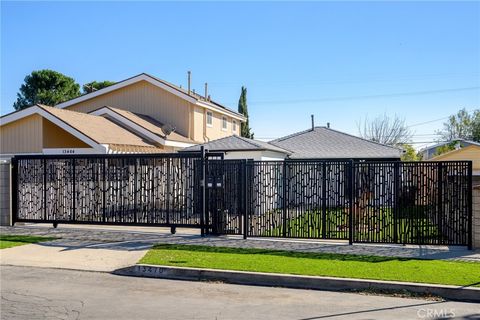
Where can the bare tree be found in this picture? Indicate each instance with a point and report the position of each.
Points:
(386, 130)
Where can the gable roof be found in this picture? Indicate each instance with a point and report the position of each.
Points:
(94, 130)
(474, 145)
(176, 90)
(237, 143)
(468, 142)
(144, 122)
(326, 143)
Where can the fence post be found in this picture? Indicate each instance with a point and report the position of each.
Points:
(470, 207)
(284, 199)
(351, 199)
(324, 200)
(440, 201)
(135, 191)
(44, 189)
(73, 190)
(104, 191)
(14, 189)
(245, 199)
(396, 189)
(202, 185)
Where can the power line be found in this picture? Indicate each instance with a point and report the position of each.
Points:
(387, 95)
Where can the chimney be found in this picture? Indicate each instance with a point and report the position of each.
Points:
(328, 125)
(206, 92)
(189, 76)
(313, 122)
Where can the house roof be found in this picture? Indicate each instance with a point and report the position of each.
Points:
(146, 122)
(176, 90)
(93, 130)
(236, 143)
(469, 142)
(323, 142)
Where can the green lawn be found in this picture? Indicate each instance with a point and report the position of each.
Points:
(413, 224)
(8, 241)
(316, 264)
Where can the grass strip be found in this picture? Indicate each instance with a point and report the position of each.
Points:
(8, 241)
(316, 264)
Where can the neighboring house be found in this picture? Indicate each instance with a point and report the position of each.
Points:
(236, 147)
(470, 152)
(326, 143)
(431, 151)
(161, 116)
(196, 117)
(315, 143)
(46, 130)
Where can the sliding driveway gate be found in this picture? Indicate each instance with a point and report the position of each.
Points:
(374, 202)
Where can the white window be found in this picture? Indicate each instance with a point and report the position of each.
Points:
(224, 123)
(209, 119)
(234, 126)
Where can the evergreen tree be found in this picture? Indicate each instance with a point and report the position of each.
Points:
(47, 87)
(245, 130)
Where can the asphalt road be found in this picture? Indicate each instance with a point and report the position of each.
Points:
(41, 293)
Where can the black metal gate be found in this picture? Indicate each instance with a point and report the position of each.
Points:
(374, 202)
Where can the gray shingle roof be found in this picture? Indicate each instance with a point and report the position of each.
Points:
(322, 142)
(236, 143)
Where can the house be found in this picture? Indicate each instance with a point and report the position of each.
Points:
(470, 152)
(161, 116)
(315, 143)
(431, 151)
(326, 143)
(236, 147)
(46, 130)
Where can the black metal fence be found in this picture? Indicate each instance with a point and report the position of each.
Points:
(374, 202)
(162, 190)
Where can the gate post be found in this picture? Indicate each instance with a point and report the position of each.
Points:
(470, 207)
(351, 195)
(14, 189)
(203, 193)
(245, 199)
(284, 200)
(396, 198)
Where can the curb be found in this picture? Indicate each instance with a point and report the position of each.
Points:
(297, 282)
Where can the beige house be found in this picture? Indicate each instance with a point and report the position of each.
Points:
(471, 152)
(140, 114)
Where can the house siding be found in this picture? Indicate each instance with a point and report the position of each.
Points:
(215, 131)
(22, 136)
(56, 137)
(471, 153)
(144, 98)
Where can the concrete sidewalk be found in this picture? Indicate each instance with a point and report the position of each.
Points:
(108, 248)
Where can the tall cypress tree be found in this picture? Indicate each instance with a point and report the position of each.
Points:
(243, 109)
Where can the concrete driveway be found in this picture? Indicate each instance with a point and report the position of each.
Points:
(81, 248)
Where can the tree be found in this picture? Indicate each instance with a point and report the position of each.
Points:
(95, 85)
(461, 125)
(445, 148)
(385, 130)
(410, 153)
(476, 126)
(46, 87)
(245, 130)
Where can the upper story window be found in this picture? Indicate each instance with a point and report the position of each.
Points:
(234, 126)
(224, 123)
(209, 119)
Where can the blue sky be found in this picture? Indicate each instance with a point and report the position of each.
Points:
(339, 61)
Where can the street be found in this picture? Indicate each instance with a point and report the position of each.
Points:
(44, 293)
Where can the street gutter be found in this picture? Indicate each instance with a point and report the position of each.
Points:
(458, 293)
